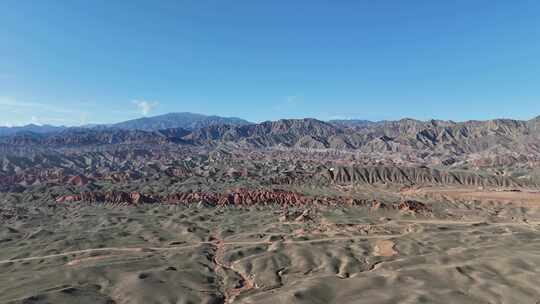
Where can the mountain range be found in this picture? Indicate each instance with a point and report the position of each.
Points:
(185, 120)
(41, 129)
(499, 143)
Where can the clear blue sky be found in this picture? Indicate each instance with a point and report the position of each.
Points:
(100, 61)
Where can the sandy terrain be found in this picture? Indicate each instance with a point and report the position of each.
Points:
(171, 254)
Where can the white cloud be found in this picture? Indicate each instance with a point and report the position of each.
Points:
(145, 107)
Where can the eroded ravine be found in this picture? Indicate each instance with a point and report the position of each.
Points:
(244, 283)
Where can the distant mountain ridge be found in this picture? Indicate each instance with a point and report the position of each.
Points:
(39, 129)
(193, 121)
(402, 135)
(434, 137)
(352, 122)
(184, 120)
(498, 143)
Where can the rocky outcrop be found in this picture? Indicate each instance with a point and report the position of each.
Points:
(239, 197)
(109, 197)
(236, 197)
(78, 180)
(415, 207)
(32, 177)
(243, 197)
(122, 177)
(177, 172)
(414, 176)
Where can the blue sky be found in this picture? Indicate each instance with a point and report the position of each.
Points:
(75, 62)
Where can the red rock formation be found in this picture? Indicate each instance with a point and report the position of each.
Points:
(414, 207)
(237, 197)
(177, 172)
(78, 180)
(33, 176)
(109, 197)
